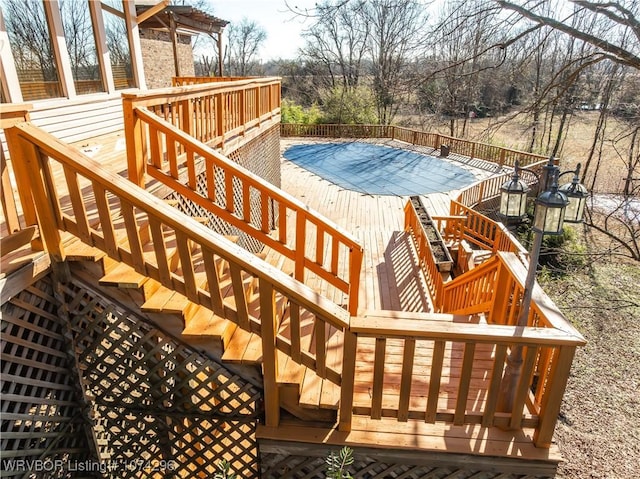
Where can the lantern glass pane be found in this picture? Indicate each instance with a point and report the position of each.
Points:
(553, 221)
(575, 209)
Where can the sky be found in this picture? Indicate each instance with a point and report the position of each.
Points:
(283, 27)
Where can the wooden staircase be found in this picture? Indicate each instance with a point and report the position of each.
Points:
(303, 394)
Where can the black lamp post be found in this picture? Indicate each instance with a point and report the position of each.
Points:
(553, 206)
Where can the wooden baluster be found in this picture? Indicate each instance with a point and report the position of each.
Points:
(210, 173)
(378, 378)
(294, 318)
(552, 399)
(523, 386)
(186, 266)
(220, 116)
(133, 237)
(77, 203)
(9, 207)
(191, 170)
(160, 250)
(434, 381)
(268, 320)
(155, 147)
(465, 380)
(240, 296)
(321, 346)
(106, 222)
(494, 386)
(264, 211)
(301, 226)
(320, 244)
(405, 381)
(213, 282)
(282, 222)
(355, 264)
(335, 252)
(172, 157)
(246, 201)
(228, 187)
(350, 346)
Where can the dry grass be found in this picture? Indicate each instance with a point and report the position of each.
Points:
(599, 425)
(515, 133)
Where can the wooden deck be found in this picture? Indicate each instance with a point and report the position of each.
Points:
(392, 279)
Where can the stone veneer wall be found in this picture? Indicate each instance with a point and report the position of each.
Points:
(157, 57)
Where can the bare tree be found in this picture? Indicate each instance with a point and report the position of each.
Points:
(338, 41)
(245, 39)
(622, 40)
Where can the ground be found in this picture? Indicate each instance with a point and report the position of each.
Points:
(599, 425)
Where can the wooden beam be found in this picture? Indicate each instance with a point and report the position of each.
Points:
(174, 42)
(152, 11)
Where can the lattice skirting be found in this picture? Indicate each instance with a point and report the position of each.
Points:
(86, 384)
(42, 415)
(260, 156)
(286, 462)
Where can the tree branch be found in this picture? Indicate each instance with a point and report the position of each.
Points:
(622, 55)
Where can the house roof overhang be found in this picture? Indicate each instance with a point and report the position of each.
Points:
(188, 20)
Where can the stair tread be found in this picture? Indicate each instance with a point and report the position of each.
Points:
(165, 300)
(123, 276)
(289, 372)
(204, 322)
(310, 390)
(76, 250)
(244, 348)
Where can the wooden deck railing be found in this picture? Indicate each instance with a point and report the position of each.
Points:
(19, 222)
(221, 114)
(472, 149)
(483, 348)
(185, 80)
(136, 228)
(314, 234)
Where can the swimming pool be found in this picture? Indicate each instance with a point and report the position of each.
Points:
(378, 169)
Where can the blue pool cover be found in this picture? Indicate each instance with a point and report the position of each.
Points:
(379, 170)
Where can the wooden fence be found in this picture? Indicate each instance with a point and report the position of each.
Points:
(472, 149)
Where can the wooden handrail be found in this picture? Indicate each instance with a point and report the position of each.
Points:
(193, 80)
(546, 347)
(107, 200)
(221, 114)
(306, 251)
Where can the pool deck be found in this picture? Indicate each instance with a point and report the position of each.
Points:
(392, 279)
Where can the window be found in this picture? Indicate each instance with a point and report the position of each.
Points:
(81, 45)
(118, 44)
(32, 50)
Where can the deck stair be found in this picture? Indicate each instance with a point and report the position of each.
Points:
(303, 393)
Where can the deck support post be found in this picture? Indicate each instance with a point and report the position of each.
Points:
(268, 319)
